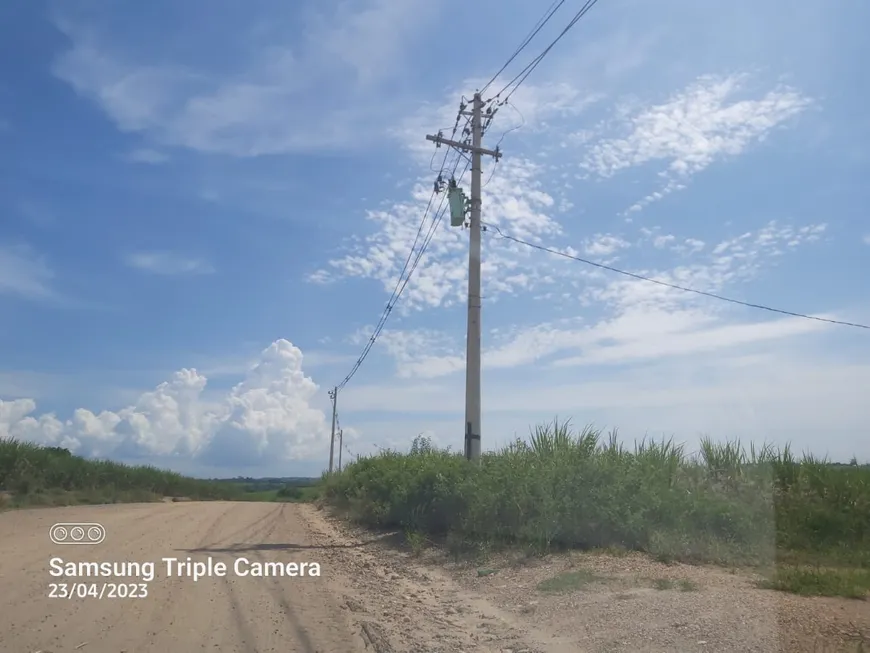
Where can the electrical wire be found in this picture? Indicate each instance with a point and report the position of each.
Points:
(525, 72)
(428, 206)
(436, 221)
(537, 28)
(439, 216)
(640, 277)
(403, 279)
(512, 129)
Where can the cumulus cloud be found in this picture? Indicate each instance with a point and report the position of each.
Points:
(264, 418)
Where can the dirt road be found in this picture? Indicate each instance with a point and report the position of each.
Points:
(357, 603)
(368, 597)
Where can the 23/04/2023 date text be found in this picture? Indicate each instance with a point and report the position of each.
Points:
(97, 590)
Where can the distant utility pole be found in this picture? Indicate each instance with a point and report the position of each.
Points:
(340, 446)
(472, 350)
(333, 394)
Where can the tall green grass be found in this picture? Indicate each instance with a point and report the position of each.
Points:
(36, 475)
(582, 490)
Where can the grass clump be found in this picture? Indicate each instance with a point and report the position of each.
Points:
(569, 581)
(816, 581)
(563, 489)
(686, 585)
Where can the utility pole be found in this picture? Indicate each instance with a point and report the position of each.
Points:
(472, 348)
(340, 447)
(333, 394)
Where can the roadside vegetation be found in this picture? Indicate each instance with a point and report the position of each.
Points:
(31, 475)
(805, 522)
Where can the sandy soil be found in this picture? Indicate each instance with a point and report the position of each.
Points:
(358, 603)
(622, 604)
(369, 596)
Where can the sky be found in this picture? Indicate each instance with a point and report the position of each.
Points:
(205, 209)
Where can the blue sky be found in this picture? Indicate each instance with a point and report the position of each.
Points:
(205, 208)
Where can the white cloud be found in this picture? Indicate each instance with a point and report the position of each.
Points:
(146, 155)
(692, 129)
(531, 108)
(775, 394)
(737, 259)
(643, 321)
(675, 339)
(660, 242)
(423, 353)
(691, 245)
(316, 358)
(365, 37)
(266, 417)
(265, 107)
(24, 273)
(689, 131)
(168, 263)
(670, 242)
(513, 199)
(604, 245)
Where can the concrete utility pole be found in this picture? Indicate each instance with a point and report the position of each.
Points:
(472, 350)
(333, 394)
(340, 447)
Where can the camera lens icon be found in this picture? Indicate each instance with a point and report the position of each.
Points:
(74, 533)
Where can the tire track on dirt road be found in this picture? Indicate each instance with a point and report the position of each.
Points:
(279, 600)
(183, 614)
(243, 634)
(276, 588)
(170, 593)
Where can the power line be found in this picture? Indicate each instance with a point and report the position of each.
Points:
(425, 213)
(436, 220)
(512, 129)
(602, 266)
(439, 216)
(400, 284)
(537, 28)
(403, 279)
(525, 72)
